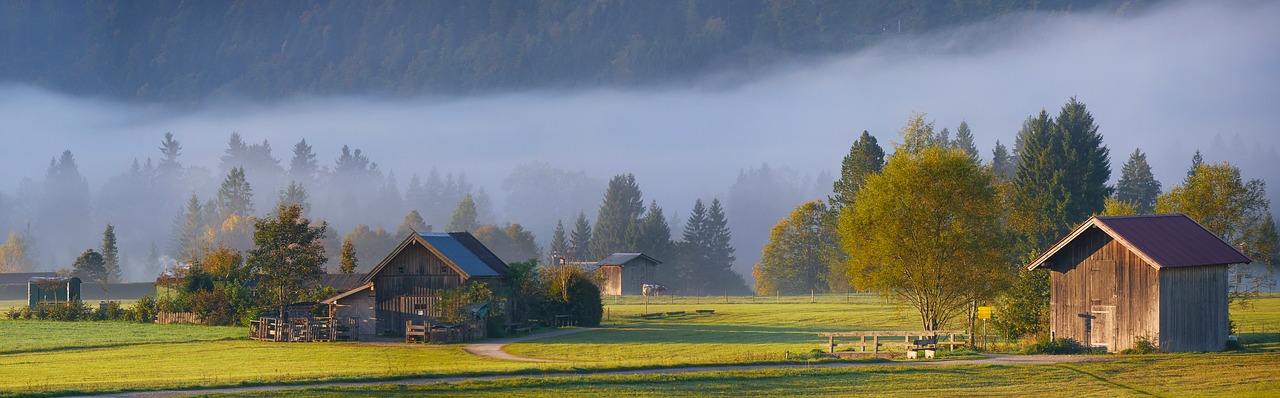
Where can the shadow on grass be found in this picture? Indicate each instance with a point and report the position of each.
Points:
(110, 345)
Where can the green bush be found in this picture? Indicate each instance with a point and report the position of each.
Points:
(144, 310)
(71, 311)
(13, 313)
(1141, 345)
(1059, 346)
(112, 312)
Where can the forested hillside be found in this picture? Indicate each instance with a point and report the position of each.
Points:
(189, 50)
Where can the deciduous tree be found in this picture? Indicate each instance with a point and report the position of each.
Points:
(800, 252)
(287, 254)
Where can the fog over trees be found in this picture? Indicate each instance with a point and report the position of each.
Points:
(185, 164)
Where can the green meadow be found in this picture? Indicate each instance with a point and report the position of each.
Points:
(65, 358)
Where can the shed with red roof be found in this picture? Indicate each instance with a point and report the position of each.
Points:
(1115, 280)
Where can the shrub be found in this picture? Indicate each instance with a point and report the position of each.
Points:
(13, 313)
(144, 310)
(1234, 345)
(213, 306)
(1141, 345)
(111, 312)
(1058, 346)
(71, 311)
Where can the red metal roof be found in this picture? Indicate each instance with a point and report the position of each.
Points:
(1163, 240)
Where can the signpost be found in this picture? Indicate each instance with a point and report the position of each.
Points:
(984, 313)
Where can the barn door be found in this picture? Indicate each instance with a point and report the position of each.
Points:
(1103, 334)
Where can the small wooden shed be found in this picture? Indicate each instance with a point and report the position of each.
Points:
(1159, 277)
(625, 274)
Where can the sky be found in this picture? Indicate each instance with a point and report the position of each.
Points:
(1170, 80)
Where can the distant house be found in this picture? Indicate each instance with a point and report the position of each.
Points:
(407, 284)
(625, 274)
(1159, 277)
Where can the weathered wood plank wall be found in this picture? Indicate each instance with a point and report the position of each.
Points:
(1195, 318)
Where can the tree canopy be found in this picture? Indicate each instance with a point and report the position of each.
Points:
(288, 252)
(1137, 184)
(801, 250)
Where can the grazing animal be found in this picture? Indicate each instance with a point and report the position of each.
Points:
(650, 289)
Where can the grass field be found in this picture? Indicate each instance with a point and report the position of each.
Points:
(1160, 375)
(42, 357)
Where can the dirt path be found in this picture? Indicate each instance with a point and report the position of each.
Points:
(989, 360)
(493, 349)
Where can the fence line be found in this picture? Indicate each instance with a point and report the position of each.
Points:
(165, 318)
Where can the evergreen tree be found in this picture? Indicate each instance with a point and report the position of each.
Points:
(865, 157)
(235, 196)
(347, 263)
(622, 207)
(1196, 161)
(89, 266)
(412, 222)
(559, 241)
(1137, 184)
(1001, 163)
(295, 194)
(719, 251)
(692, 249)
(464, 217)
(169, 164)
(580, 239)
(652, 236)
(110, 255)
(303, 167)
(189, 226)
(63, 209)
(964, 142)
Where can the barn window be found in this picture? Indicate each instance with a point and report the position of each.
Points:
(444, 269)
(400, 269)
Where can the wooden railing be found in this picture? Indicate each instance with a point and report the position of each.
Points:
(294, 329)
(890, 339)
(165, 318)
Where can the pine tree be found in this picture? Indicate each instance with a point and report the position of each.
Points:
(347, 263)
(303, 167)
(559, 241)
(89, 266)
(1001, 163)
(236, 153)
(1196, 161)
(110, 255)
(964, 142)
(169, 166)
(412, 223)
(235, 196)
(622, 207)
(865, 157)
(1137, 185)
(652, 236)
(719, 251)
(189, 226)
(580, 239)
(295, 194)
(464, 216)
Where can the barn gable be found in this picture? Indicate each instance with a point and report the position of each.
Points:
(1162, 277)
(626, 273)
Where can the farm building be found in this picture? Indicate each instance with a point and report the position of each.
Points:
(626, 273)
(21, 278)
(407, 284)
(1159, 277)
(52, 290)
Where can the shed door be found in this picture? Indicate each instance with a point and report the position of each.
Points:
(1103, 334)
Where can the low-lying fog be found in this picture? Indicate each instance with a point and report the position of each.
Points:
(1171, 80)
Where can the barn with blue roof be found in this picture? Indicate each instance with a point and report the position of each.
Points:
(407, 284)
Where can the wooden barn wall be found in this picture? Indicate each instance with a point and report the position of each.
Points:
(1194, 308)
(1098, 278)
(612, 285)
(412, 281)
(635, 274)
(359, 308)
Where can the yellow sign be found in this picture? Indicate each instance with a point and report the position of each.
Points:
(984, 312)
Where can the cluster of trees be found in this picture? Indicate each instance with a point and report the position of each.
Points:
(935, 227)
(182, 52)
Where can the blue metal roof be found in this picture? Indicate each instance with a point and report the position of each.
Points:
(475, 261)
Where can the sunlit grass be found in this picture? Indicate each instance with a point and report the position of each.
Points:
(1164, 375)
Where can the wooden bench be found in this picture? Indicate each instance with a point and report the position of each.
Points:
(907, 342)
(652, 315)
(706, 311)
(676, 313)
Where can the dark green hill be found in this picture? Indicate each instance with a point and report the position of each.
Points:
(189, 50)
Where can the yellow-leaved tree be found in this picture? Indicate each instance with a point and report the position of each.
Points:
(927, 231)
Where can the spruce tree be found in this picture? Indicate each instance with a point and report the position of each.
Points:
(295, 194)
(234, 196)
(622, 207)
(865, 157)
(1137, 185)
(464, 216)
(652, 236)
(169, 166)
(1001, 163)
(303, 167)
(692, 249)
(189, 244)
(964, 142)
(719, 252)
(559, 241)
(110, 255)
(580, 239)
(1196, 161)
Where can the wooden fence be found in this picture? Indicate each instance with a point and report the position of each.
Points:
(890, 339)
(298, 329)
(166, 318)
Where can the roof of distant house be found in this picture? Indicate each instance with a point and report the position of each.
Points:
(623, 259)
